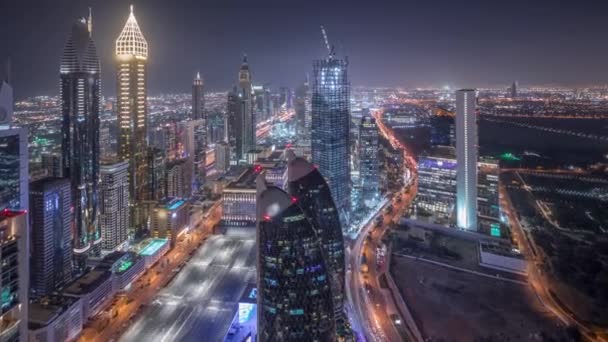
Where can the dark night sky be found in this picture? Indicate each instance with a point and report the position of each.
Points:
(407, 43)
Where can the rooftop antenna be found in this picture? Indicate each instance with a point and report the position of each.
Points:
(90, 22)
(330, 49)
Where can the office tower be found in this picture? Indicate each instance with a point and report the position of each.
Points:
(114, 204)
(200, 134)
(14, 273)
(311, 192)
(222, 157)
(436, 194)
(6, 102)
(177, 181)
(105, 146)
(514, 90)
(194, 149)
(157, 165)
(52, 163)
(50, 219)
(442, 130)
(234, 135)
(294, 289)
(259, 103)
(14, 232)
(216, 127)
(368, 160)
(247, 124)
(80, 87)
(330, 131)
(301, 105)
(198, 98)
(487, 187)
(239, 199)
(466, 156)
(132, 79)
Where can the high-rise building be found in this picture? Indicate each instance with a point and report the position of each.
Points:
(156, 183)
(51, 218)
(177, 181)
(198, 98)
(80, 101)
(436, 194)
(330, 131)
(466, 156)
(199, 116)
(222, 157)
(114, 204)
(368, 160)
(14, 230)
(194, 150)
(514, 90)
(247, 124)
(14, 275)
(487, 187)
(311, 192)
(132, 79)
(234, 136)
(295, 301)
(302, 108)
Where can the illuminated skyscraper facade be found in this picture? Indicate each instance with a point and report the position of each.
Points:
(246, 118)
(466, 157)
(114, 209)
(51, 217)
(368, 160)
(295, 301)
(80, 96)
(131, 57)
(330, 131)
(312, 194)
(199, 116)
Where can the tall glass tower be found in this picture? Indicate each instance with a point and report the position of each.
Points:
(295, 301)
(330, 131)
(131, 93)
(466, 158)
(80, 87)
(368, 160)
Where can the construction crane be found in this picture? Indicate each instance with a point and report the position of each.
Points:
(330, 48)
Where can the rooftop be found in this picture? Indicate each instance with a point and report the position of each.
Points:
(246, 180)
(45, 311)
(153, 246)
(88, 282)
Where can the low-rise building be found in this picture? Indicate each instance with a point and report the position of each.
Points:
(170, 218)
(95, 290)
(55, 319)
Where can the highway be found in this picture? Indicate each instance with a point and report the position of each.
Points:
(363, 289)
(200, 303)
(539, 283)
(110, 323)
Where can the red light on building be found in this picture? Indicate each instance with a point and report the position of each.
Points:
(293, 199)
(267, 217)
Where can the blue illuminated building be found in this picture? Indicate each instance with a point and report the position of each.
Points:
(330, 128)
(436, 195)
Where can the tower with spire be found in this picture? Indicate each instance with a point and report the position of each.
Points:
(200, 133)
(80, 102)
(131, 98)
(246, 110)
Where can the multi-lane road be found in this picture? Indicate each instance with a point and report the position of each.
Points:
(200, 303)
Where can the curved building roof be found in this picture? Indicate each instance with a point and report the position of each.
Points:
(80, 54)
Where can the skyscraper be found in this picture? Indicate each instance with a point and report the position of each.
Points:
(330, 131)
(246, 109)
(200, 134)
(222, 157)
(132, 56)
(233, 125)
(302, 108)
(14, 231)
(368, 160)
(80, 87)
(466, 157)
(295, 300)
(514, 90)
(51, 218)
(114, 208)
(312, 194)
